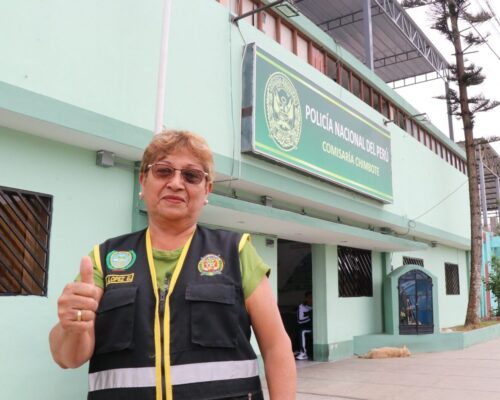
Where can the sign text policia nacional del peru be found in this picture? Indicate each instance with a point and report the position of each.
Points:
(293, 121)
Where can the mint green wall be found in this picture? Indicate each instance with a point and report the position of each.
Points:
(209, 33)
(426, 188)
(90, 204)
(343, 317)
(104, 58)
(204, 74)
(324, 282)
(452, 307)
(100, 56)
(360, 315)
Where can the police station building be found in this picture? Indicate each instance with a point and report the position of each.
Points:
(346, 189)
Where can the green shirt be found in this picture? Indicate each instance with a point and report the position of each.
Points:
(252, 267)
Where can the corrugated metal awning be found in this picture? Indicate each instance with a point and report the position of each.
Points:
(400, 49)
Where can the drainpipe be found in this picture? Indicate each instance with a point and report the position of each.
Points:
(162, 71)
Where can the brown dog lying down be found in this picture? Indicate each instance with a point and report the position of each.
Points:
(387, 352)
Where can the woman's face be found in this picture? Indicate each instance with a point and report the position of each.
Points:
(174, 199)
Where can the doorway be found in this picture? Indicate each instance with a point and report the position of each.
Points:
(415, 303)
(294, 280)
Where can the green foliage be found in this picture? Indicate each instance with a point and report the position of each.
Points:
(494, 282)
(413, 3)
(472, 75)
(476, 18)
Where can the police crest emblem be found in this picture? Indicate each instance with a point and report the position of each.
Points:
(120, 260)
(210, 264)
(282, 111)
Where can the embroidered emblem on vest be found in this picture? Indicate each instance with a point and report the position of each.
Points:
(112, 279)
(210, 264)
(120, 260)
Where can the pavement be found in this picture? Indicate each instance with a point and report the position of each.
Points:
(469, 374)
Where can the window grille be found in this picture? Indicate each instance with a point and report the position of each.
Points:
(355, 272)
(452, 279)
(25, 219)
(413, 261)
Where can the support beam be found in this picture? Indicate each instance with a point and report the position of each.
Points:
(368, 34)
(397, 58)
(482, 192)
(347, 19)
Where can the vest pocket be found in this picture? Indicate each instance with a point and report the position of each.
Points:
(213, 314)
(114, 325)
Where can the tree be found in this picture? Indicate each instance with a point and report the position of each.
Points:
(449, 17)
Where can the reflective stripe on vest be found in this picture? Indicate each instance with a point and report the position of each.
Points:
(122, 378)
(180, 374)
(213, 371)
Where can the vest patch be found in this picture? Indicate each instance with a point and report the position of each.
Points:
(112, 279)
(120, 260)
(210, 264)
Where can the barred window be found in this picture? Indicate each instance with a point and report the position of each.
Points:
(452, 280)
(355, 272)
(413, 261)
(25, 219)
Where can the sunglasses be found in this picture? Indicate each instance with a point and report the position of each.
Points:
(189, 175)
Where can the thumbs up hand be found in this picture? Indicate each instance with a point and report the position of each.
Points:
(77, 305)
(86, 270)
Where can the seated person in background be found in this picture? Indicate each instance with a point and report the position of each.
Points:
(304, 321)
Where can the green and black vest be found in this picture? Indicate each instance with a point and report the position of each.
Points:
(191, 341)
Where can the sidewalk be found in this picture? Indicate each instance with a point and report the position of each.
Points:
(469, 374)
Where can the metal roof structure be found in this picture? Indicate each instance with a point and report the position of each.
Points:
(400, 50)
(488, 172)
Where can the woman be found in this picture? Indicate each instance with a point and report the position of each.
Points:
(165, 313)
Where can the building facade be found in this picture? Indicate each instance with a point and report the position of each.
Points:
(315, 156)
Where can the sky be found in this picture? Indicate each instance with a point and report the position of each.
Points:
(421, 95)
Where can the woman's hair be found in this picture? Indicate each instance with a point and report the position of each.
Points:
(170, 141)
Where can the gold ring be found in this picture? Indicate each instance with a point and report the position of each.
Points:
(79, 315)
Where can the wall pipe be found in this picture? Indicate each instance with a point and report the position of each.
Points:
(162, 69)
